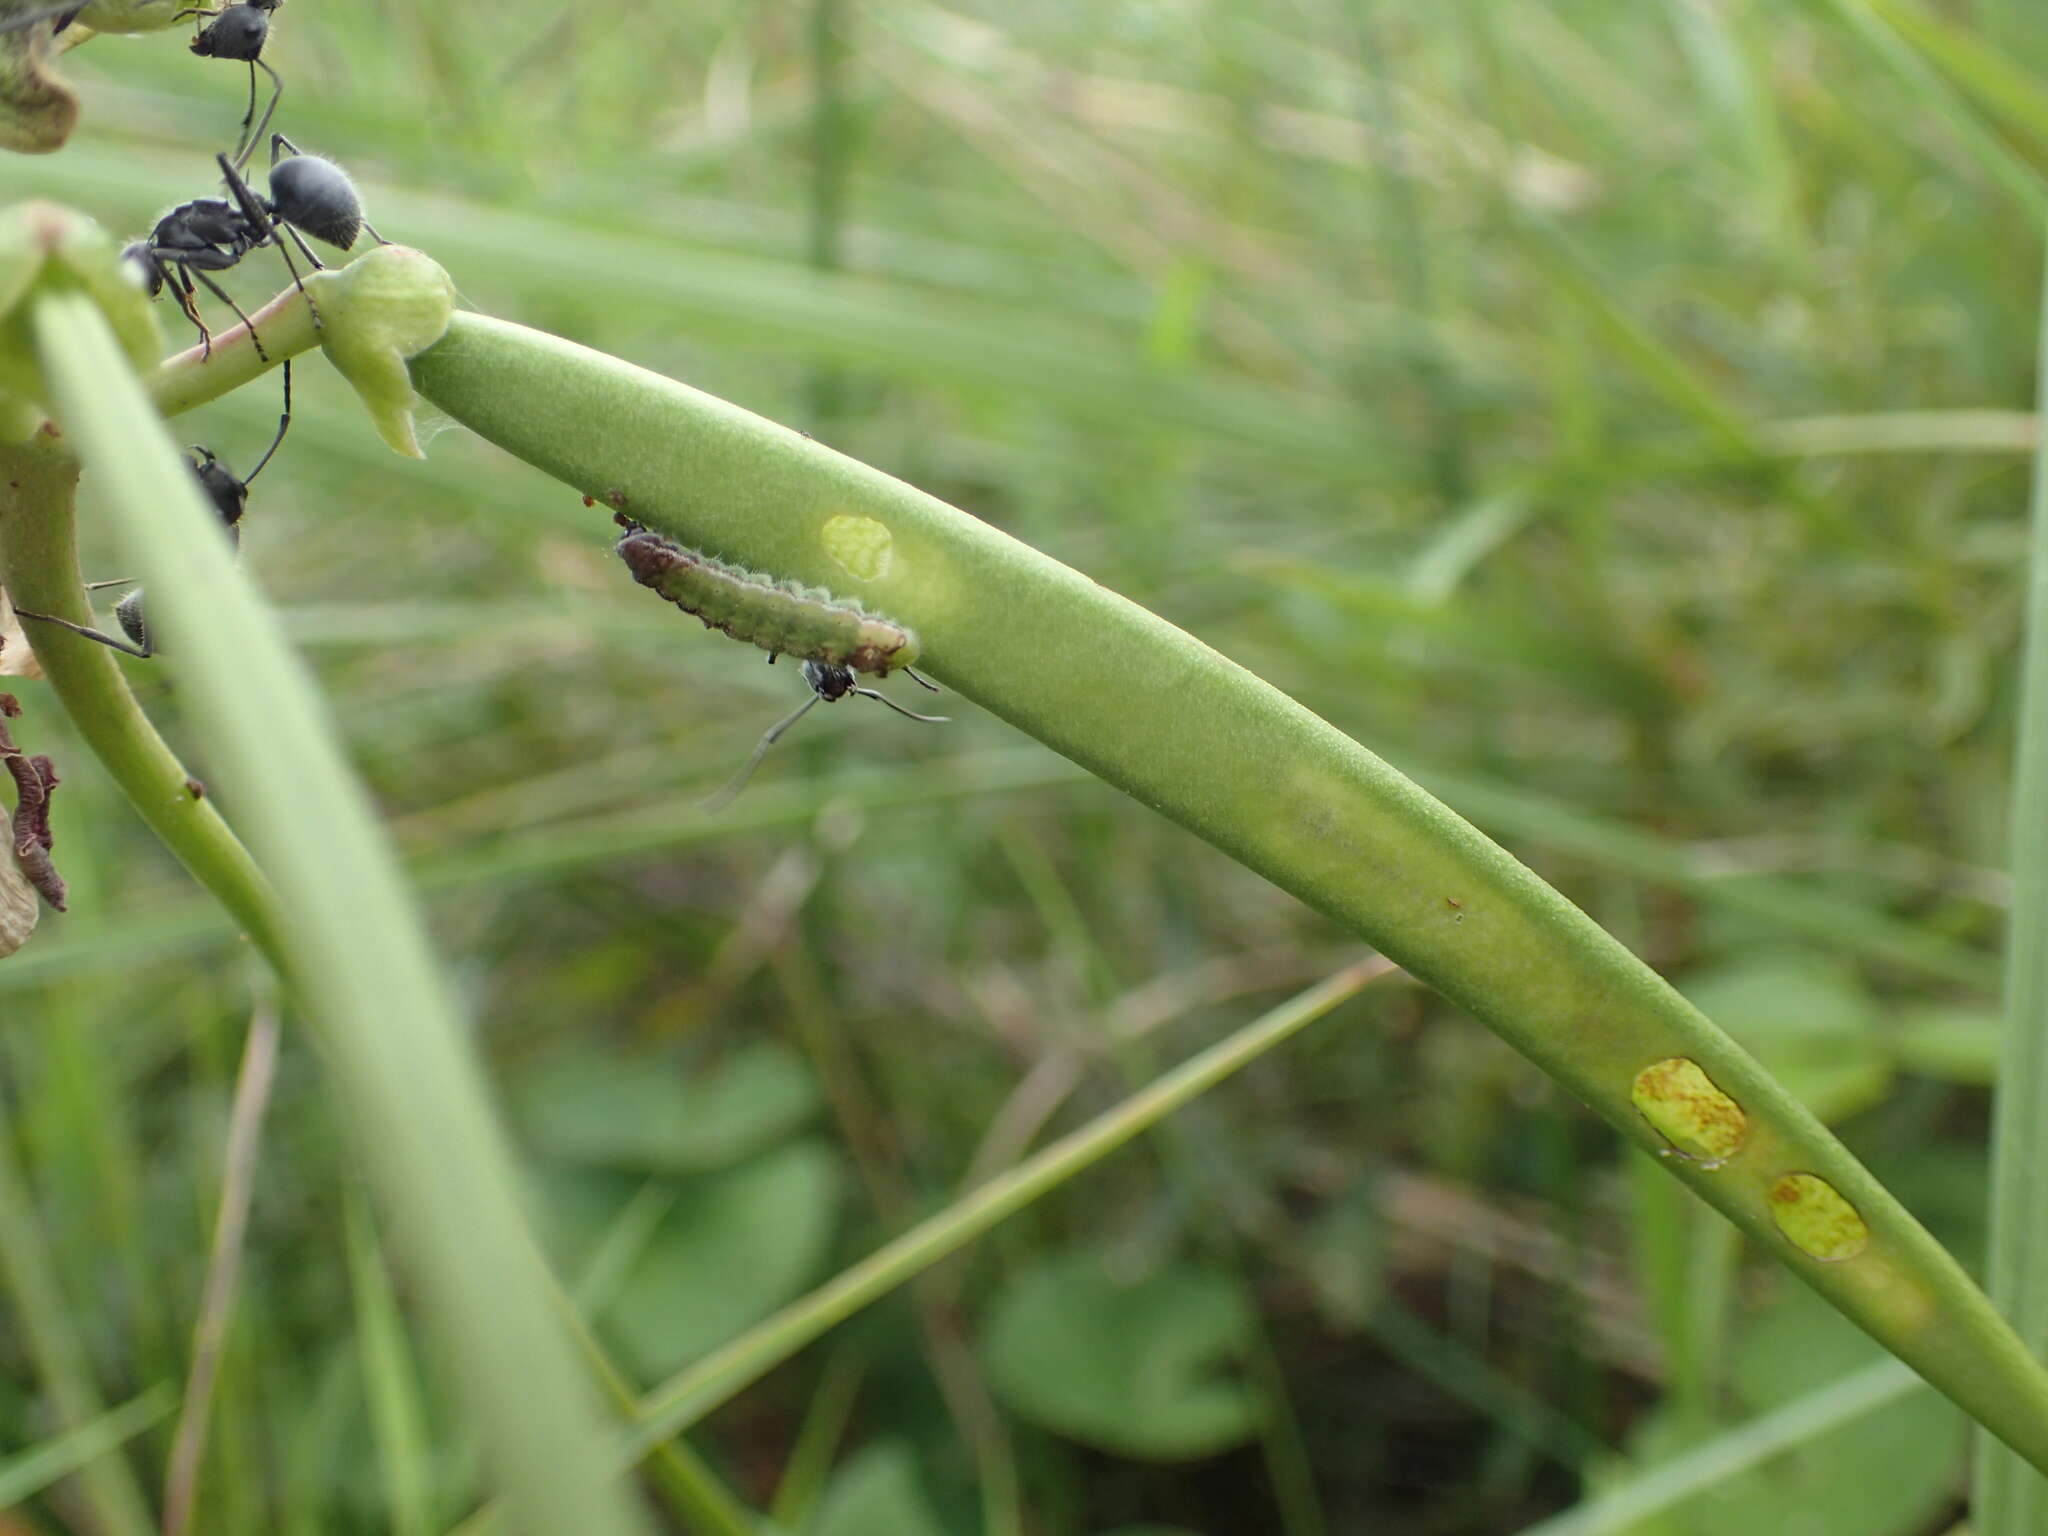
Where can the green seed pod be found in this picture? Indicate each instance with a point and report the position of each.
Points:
(781, 617)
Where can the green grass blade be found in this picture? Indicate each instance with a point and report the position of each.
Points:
(50, 1339)
(1994, 156)
(391, 1384)
(1707, 1467)
(1156, 713)
(29, 1472)
(699, 1388)
(2009, 1500)
(2000, 83)
(354, 948)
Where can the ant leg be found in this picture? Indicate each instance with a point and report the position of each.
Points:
(265, 230)
(908, 714)
(250, 325)
(245, 146)
(283, 422)
(113, 581)
(140, 652)
(182, 291)
(769, 737)
(305, 250)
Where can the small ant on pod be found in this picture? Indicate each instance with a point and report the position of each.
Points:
(828, 683)
(229, 494)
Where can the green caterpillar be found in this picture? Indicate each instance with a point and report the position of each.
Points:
(781, 617)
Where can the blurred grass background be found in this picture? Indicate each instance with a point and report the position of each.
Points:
(1615, 414)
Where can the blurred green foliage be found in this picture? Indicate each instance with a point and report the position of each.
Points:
(1616, 408)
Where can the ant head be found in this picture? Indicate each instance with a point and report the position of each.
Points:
(827, 681)
(316, 196)
(230, 496)
(149, 272)
(238, 32)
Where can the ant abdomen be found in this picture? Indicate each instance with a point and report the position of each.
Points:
(316, 196)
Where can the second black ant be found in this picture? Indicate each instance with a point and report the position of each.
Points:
(229, 494)
(212, 234)
(239, 31)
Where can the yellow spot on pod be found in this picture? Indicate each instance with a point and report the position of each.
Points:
(1682, 1102)
(1819, 1221)
(861, 546)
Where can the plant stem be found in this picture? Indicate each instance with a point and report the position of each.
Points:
(39, 567)
(355, 950)
(2008, 1500)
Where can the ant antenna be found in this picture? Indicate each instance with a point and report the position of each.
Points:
(769, 737)
(827, 682)
(283, 422)
(91, 634)
(922, 682)
(246, 147)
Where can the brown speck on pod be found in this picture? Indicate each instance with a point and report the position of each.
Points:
(195, 789)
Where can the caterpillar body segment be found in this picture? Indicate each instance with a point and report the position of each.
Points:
(782, 617)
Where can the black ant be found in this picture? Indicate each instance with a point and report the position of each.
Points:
(212, 234)
(229, 494)
(828, 683)
(239, 31)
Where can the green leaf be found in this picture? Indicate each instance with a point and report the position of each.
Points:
(1884, 1473)
(731, 1249)
(1138, 1367)
(877, 1493)
(617, 1111)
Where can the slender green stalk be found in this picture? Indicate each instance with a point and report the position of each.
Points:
(356, 955)
(695, 1391)
(1994, 156)
(1709, 1466)
(39, 567)
(1156, 713)
(223, 1267)
(24, 1476)
(2008, 1500)
(391, 1384)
